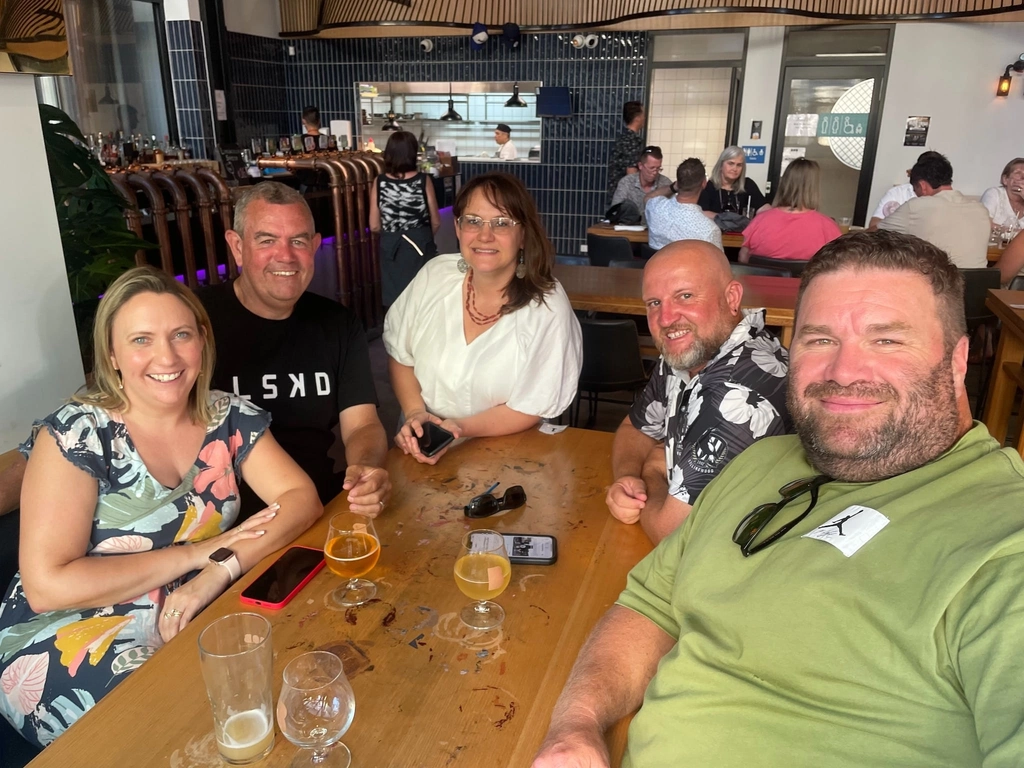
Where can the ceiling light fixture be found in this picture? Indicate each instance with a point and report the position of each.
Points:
(451, 115)
(515, 101)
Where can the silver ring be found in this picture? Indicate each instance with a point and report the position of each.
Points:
(381, 506)
(172, 614)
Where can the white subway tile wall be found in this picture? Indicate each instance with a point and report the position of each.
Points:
(688, 114)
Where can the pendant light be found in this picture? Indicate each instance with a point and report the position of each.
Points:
(515, 101)
(451, 114)
(391, 124)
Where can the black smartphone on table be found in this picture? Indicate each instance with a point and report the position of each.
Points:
(434, 439)
(276, 586)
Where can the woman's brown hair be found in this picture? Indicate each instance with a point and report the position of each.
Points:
(509, 195)
(105, 391)
(800, 186)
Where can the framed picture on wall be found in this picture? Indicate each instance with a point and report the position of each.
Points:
(33, 38)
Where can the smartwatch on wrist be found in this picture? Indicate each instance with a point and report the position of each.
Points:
(226, 559)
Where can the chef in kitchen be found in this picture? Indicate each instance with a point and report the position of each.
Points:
(503, 137)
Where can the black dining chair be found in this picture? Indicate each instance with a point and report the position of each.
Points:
(601, 249)
(646, 251)
(626, 264)
(746, 269)
(977, 283)
(611, 363)
(573, 261)
(792, 267)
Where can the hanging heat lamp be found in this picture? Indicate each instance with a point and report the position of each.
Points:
(391, 123)
(451, 115)
(515, 101)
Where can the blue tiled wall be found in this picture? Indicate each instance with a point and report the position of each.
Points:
(190, 82)
(569, 186)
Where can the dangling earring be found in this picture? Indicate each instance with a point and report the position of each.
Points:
(462, 265)
(120, 378)
(521, 267)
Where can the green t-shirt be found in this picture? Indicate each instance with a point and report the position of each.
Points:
(908, 653)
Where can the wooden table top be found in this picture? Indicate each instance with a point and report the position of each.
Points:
(729, 239)
(602, 289)
(429, 692)
(1000, 303)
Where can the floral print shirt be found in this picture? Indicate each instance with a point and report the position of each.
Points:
(707, 419)
(54, 666)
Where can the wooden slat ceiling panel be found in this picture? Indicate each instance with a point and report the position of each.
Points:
(307, 17)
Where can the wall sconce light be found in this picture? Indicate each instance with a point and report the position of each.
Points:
(1003, 89)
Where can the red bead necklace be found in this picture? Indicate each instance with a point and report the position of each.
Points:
(471, 309)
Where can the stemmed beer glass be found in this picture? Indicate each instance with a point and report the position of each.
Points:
(351, 550)
(482, 572)
(315, 709)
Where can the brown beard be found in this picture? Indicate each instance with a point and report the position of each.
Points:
(925, 427)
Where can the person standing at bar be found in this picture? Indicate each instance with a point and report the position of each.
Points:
(628, 146)
(311, 121)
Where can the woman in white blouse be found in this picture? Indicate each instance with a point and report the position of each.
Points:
(484, 343)
(1005, 203)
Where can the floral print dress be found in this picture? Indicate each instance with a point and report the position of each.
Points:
(56, 665)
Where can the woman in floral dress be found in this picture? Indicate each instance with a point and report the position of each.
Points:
(129, 489)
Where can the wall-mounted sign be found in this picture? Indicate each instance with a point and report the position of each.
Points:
(755, 130)
(917, 131)
(848, 124)
(754, 154)
(789, 154)
(802, 125)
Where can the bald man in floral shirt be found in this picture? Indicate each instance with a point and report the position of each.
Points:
(719, 386)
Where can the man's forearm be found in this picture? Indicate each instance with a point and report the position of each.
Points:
(367, 446)
(611, 673)
(662, 513)
(630, 450)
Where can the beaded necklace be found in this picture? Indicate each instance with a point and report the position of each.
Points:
(471, 309)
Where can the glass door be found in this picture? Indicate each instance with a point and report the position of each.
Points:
(831, 115)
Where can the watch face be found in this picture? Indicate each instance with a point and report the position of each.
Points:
(222, 555)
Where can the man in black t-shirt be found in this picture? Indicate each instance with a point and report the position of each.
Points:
(300, 356)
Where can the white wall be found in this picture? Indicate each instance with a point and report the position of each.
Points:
(760, 91)
(40, 365)
(253, 17)
(949, 72)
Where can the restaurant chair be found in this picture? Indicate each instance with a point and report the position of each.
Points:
(602, 250)
(977, 283)
(611, 363)
(626, 264)
(1016, 373)
(573, 261)
(746, 269)
(646, 251)
(792, 267)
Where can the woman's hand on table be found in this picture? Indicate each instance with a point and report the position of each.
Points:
(369, 489)
(408, 436)
(182, 605)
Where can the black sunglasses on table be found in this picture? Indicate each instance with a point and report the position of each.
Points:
(750, 526)
(487, 505)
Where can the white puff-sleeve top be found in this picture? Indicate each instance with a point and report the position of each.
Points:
(529, 360)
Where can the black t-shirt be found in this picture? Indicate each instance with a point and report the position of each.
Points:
(305, 370)
(714, 199)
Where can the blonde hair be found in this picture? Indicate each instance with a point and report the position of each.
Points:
(105, 391)
(800, 186)
(730, 153)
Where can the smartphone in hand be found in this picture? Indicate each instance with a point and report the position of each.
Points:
(434, 439)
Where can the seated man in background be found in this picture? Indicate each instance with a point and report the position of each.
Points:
(719, 386)
(896, 195)
(868, 611)
(635, 186)
(673, 213)
(942, 216)
(300, 356)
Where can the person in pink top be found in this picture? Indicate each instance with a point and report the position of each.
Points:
(792, 228)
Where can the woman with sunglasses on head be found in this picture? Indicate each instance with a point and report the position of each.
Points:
(484, 342)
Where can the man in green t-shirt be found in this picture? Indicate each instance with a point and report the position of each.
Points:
(851, 596)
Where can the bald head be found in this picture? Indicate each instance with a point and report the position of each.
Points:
(693, 303)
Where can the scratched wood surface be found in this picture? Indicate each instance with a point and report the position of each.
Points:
(429, 692)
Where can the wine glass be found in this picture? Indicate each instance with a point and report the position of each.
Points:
(482, 572)
(315, 709)
(352, 549)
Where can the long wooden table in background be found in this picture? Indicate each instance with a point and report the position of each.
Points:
(429, 691)
(729, 239)
(1002, 388)
(601, 289)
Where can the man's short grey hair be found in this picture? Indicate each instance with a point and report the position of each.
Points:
(273, 192)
